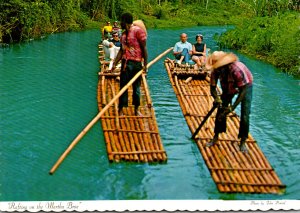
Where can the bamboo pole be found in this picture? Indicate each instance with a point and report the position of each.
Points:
(131, 143)
(135, 144)
(140, 125)
(156, 137)
(89, 126)
(126, 139)
(108, 144)
(113, 123)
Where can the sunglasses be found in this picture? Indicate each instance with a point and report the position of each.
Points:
(115, 35)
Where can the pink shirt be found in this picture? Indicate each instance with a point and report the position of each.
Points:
(131, 44)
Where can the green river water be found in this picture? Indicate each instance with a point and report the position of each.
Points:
(48, 95)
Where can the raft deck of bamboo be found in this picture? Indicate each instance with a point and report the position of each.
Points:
(128, 137)
(231, 170)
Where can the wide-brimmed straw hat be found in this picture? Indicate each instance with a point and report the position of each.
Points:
(219, 59)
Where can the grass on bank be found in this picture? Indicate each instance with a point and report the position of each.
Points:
(272, 39)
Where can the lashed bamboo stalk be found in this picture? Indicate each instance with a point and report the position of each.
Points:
(216, 175)
(118, 134)
(112, 141)
(158, 143)
(103, 121)
(255, 174)
(126, 140)
(145, 142)
(131, 143)
(247, 165)
(103, 90)
(140, 125)
(234, 164)
(108, 143)
(140, 122)
(115, 137)
(110, 138)
(151, 139)
(243, 176)
(115, 105)
(154, 139)
(265, 176)
(187, 110)
(220, 160)
(133, 136)
(197, 109)
(110, 122)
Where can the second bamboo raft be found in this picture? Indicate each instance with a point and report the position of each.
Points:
(231, 170)
(128, 137)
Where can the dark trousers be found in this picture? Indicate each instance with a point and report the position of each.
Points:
(185, 53)
(220, 123)
(131, 69)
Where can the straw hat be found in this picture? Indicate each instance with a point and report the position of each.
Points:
(219, 59)
(140, 24)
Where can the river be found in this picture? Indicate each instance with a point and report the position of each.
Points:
(48, 95)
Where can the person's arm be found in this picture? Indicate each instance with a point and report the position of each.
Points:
(176, 50)
(194, 49)
(239, 78)
(118, 58)
(204, 50)
(144, 54)
(102, 33)
(190, 49)
(213, 88)
(241, 96)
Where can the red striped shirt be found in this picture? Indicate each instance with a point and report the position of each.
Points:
(237, 75)
(131, 43)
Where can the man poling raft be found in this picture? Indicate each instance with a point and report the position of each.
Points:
(235, 78)
(134, 56)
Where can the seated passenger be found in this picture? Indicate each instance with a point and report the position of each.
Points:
(117, 28)
(106, 30)
(106, 44)
(112, 47)
(182, 49)
(199, 52)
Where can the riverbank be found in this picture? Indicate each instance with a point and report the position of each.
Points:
(272, 39)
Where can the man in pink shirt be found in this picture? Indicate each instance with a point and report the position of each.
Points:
(134, 56)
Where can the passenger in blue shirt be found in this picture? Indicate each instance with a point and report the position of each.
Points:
(183, 49)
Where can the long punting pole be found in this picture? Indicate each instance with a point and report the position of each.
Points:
(92, 122)
(204, 120)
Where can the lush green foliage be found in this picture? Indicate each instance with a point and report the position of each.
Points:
(275, 39)
(21, 19)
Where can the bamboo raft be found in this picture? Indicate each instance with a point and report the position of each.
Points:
(231, 170)
(128, 137)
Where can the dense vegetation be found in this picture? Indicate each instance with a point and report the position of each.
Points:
(24, 19)
(267, 28)
(274, 39)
